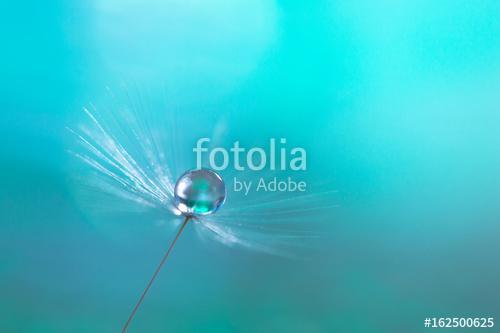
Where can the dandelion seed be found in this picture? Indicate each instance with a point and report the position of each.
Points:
(133, 161)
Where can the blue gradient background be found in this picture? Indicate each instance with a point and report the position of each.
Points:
(397, 103)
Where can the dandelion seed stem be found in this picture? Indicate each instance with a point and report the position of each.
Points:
(153, 277)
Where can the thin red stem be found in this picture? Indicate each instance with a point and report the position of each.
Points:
(139, 302)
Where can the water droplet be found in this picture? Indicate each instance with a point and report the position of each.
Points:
(199, 192)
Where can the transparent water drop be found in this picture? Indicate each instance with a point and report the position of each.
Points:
(199, 192)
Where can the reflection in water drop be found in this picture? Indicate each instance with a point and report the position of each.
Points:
(199, 192)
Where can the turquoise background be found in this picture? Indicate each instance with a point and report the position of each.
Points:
(397, 104)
